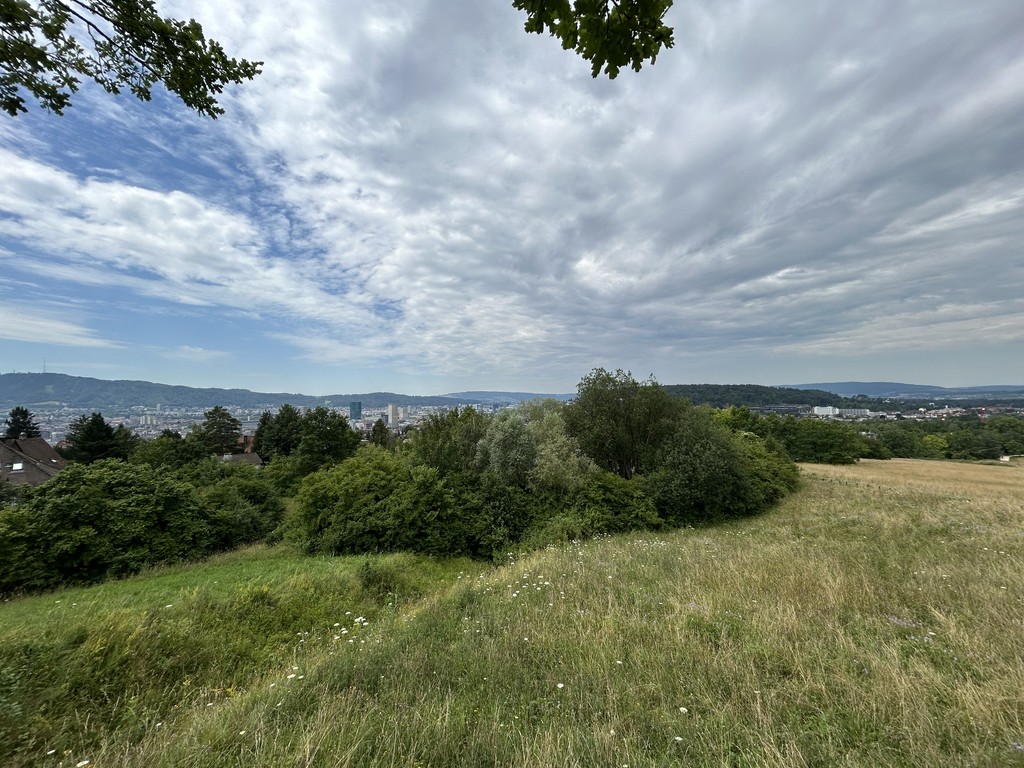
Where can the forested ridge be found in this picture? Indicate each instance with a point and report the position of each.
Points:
(49, 389)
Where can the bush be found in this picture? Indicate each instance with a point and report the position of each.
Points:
(245, 506)
(606, 504)
(376, 502)
(98, 520)
(703, 473)
(771, 473)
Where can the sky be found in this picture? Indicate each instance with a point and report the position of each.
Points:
(417, 196)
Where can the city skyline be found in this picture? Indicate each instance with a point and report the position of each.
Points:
(421, 198)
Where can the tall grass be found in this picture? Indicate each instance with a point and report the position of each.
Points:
(875, 618)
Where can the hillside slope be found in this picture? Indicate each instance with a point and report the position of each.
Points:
(873, 619)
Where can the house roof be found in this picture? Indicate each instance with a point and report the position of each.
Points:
(243, 458)
(34, 452)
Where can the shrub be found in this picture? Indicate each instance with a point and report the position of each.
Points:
(606, 504)
(376, 502)
(771, 473)
(97, 520)
(702, 474)
(245, 506)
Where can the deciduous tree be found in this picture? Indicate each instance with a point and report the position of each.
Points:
(48, 47)
(448, 441)
(610, 35)
(381, 435)
(278, 434)
(326, 439)
(618, 421)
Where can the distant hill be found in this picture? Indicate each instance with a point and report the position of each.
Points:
(753, 395)
(41, 390)
(897, 390)
(504, 398)
(34, 390)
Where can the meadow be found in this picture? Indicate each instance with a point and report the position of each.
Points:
(873, 618)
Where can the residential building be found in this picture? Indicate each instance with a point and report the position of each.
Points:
(28, 461)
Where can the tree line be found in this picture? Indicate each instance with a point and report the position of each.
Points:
(967, 437)
(624, 455)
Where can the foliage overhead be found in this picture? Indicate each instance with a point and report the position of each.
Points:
(610, 35)
(127, 45)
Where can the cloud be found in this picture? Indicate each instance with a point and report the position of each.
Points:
(424, 186)
(38, 324)
(196, 354)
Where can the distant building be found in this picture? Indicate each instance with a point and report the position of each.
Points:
(829, 411)
(28, 461)
(355, 411)
(782, 409)
(393, 416)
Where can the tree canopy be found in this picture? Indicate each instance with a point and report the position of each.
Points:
(48, 47)
(618, 421)
(220, 431)
(21, 423)
(610, 35)
(127, 45)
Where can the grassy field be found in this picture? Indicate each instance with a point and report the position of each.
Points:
(875, 618)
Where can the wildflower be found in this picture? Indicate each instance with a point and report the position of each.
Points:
(241, 733)
(679, 738)
(561, 685)
(291, 675)
(684, 710)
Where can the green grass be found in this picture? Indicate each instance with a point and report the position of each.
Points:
(875, 618)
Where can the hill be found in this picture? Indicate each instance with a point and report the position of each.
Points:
(860, 623)
(897, 390)
(34, 390)
(505, 398)
(753, 395)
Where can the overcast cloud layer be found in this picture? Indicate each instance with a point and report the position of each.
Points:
(417, 196)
